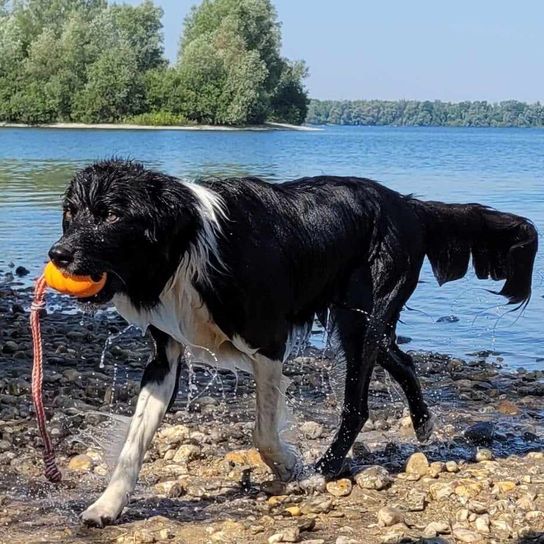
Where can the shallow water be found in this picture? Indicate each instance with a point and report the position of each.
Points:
(500, 167)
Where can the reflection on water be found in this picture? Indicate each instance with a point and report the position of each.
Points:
(500, 167)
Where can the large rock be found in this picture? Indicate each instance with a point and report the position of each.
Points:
(187, 453)
(250, 457)
(340, 488)
(481, 434)
(375, 477)
(174, 435)
(417, 465)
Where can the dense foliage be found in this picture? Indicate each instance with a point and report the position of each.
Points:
(510, 113)
(89, 61)
(230, 63)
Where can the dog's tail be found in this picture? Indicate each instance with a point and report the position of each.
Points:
(503, 245)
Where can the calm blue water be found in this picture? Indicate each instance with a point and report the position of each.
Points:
(500, 167)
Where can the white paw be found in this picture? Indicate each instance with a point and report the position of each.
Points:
(102, 513)
(284, 462)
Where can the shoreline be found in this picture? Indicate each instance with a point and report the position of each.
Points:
(266, 127)
(479, 479)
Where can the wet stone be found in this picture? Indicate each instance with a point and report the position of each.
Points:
(340, 488)
(483, 454)
(375, 477)
(81, 463)
(273, 487)
(481, 434)
(21, 271)
(448, 319)
(250, 457)
(507, 407)
(171, 489)
(311, 430)
(10, 347)
(315, 483)
(187, 453)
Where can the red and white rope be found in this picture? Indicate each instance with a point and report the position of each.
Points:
(52, 473)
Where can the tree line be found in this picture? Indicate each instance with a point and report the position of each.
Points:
(510, 113)
(94, 62)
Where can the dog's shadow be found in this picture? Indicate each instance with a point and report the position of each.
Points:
(187, 510)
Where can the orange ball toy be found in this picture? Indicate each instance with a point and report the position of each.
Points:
(77, 286)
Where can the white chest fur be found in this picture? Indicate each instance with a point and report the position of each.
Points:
(182, 314)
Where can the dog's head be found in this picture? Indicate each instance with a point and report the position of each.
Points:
(128, 221)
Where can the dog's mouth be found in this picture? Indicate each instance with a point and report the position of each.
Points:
(105, 294)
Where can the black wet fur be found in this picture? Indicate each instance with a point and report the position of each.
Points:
(292, 251)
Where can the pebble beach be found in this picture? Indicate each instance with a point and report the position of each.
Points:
(480, 479)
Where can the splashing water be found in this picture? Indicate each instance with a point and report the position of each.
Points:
(112, 338)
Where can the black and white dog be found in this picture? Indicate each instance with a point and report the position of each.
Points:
(239, 267)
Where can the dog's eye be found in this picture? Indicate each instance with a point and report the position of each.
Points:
(112, 217)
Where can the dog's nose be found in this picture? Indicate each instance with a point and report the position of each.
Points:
(60, 255)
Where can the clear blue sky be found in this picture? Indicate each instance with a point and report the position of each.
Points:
(419, 49)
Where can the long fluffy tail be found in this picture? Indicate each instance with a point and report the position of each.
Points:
(503, 245)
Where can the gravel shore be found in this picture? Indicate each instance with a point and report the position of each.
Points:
(479, 480)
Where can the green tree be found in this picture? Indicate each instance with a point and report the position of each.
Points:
(510, 113)
(92, 61)
(289, 101)
(80, 60)
(231, 67)
(140, 26)
(113, 90)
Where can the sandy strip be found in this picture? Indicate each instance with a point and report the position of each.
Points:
(113, 126)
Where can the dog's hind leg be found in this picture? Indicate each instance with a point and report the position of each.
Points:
(158, 390)
(401, 367)
(360, 355)
(358, 344)
(271, 415)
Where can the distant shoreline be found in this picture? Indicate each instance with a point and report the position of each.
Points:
(113, 126)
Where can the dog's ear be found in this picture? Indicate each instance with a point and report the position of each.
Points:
(175, 218)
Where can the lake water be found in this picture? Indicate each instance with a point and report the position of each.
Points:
(500, 167)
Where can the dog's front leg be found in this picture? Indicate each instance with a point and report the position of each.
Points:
(158, 391)
(271, 415)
